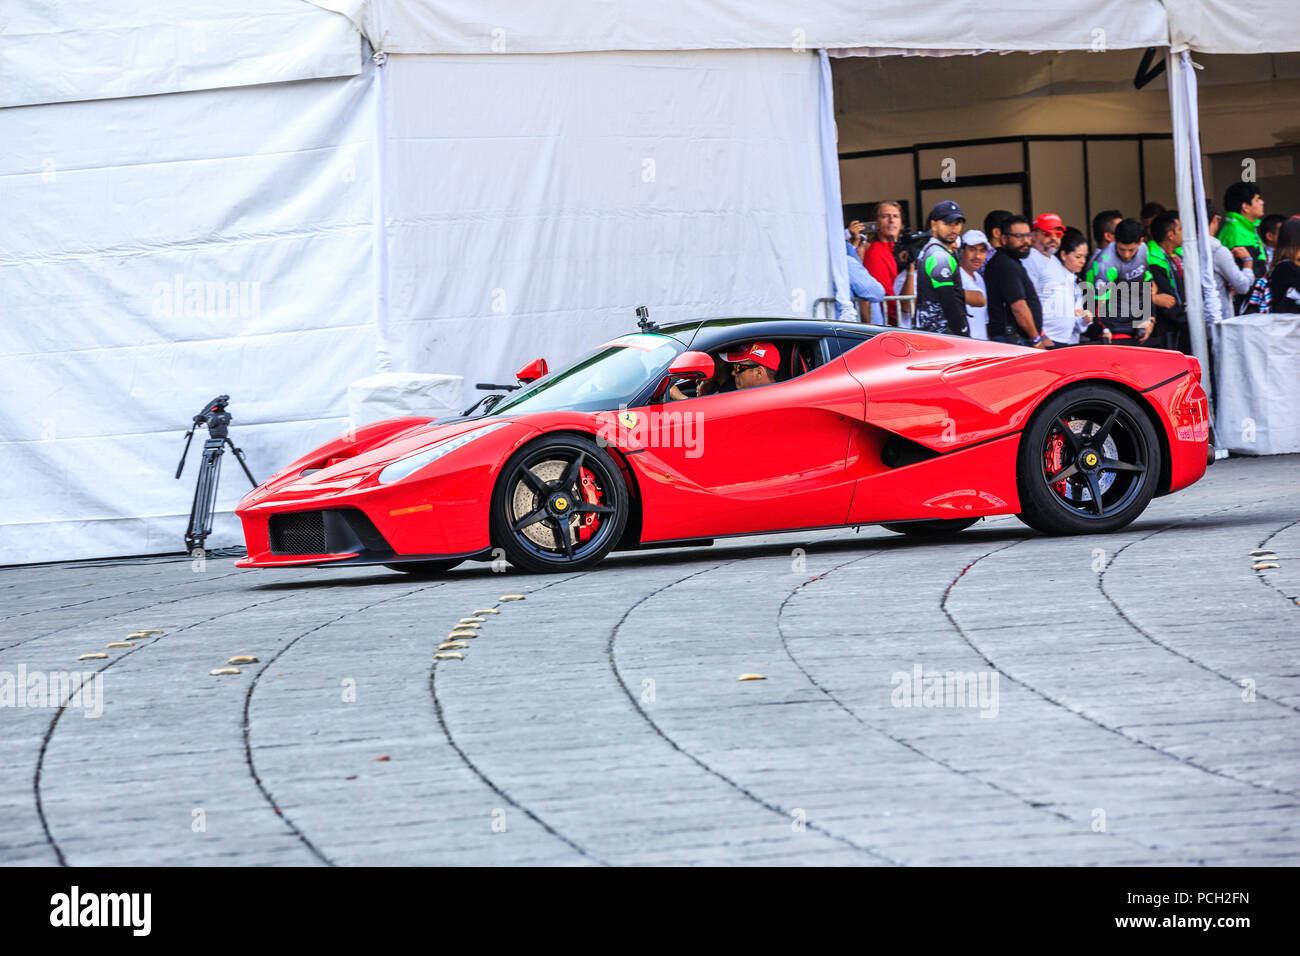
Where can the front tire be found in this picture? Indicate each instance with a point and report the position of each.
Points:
(560, 504)
(1088, 462)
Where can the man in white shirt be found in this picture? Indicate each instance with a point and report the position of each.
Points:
(1227, 277)
(1043, 243)
(974, 250)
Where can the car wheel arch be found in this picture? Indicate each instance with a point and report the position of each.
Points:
(631, 537)
(1165, 478)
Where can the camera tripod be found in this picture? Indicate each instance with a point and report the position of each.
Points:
(217, 420)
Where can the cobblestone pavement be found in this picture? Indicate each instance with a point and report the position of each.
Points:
(1000, 698)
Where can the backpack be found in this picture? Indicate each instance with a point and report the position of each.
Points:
(1259, 299)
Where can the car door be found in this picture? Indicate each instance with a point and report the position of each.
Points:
(760, 459)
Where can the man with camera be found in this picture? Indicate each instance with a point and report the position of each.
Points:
(940, 302)
(881, 257)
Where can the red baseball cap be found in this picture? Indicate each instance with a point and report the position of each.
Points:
(1049, 222)
(762, 353)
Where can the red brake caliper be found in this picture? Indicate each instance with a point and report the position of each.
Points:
(1055, 462)
(591, 495)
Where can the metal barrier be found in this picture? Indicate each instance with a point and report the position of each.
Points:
(906, 308)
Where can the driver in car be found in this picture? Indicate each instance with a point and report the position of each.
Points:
(751, 365)
(754, 365)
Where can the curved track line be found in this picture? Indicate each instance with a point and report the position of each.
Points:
(1186, 761)
(102, 597)
(134, 610)
(49, 732)
(908, 745)
(1101, 586)
(482, 775)
(248, 700)
(739, 788)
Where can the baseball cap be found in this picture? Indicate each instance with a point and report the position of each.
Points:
(947, 211)
(1049, 222)
(974, 237)
(763, 353)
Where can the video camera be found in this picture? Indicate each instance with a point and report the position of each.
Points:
(215, 418)
(908, 246)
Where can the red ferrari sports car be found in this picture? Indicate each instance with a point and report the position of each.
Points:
(647, 441)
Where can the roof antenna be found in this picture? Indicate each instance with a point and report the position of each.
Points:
(643, 319)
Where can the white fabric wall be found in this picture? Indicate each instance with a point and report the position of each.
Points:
(523, 220)
(1259, 384)
(526, 219)
(105, 203)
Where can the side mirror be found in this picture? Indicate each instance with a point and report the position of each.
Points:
(688, 365)
(532, 371)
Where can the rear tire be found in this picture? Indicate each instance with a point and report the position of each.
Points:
(936, 528)
(540, 507)
(1099, 446)
(425, 568)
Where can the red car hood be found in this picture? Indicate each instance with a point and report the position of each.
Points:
(370, 460)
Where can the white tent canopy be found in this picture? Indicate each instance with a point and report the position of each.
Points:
(233, 198)
(579, 26)
(64, 52)
(506, 26)
(1234, 26)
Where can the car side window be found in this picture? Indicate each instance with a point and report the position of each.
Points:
(797, 357)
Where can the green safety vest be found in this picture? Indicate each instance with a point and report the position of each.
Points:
(1237, 230)
(1157, 259)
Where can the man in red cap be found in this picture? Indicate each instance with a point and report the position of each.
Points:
(754, 365)
(1043, 243)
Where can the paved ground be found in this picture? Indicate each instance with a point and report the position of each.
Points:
(1134, 699)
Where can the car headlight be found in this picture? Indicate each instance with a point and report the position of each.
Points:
(412, 463)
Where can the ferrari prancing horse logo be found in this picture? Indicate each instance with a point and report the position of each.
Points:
(561, 504)
(627, 419)
(1090, 459)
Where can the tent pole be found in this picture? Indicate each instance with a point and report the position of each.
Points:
(830, 162)
(1191, 204)
(383, 359)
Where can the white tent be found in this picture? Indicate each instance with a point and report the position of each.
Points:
(239, 199)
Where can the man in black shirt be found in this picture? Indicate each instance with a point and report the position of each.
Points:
(1015, 313)
(1170, 297)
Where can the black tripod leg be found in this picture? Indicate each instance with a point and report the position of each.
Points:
(205, 495)
(239, 456)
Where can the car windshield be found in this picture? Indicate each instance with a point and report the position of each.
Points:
(607, 378)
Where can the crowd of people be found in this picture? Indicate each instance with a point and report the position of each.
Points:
(1042, 283)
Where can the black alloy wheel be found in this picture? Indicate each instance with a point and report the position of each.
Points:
(1089, 462)
(560, 504)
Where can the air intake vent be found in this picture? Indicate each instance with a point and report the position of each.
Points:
(299, 532)
(899, 452)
